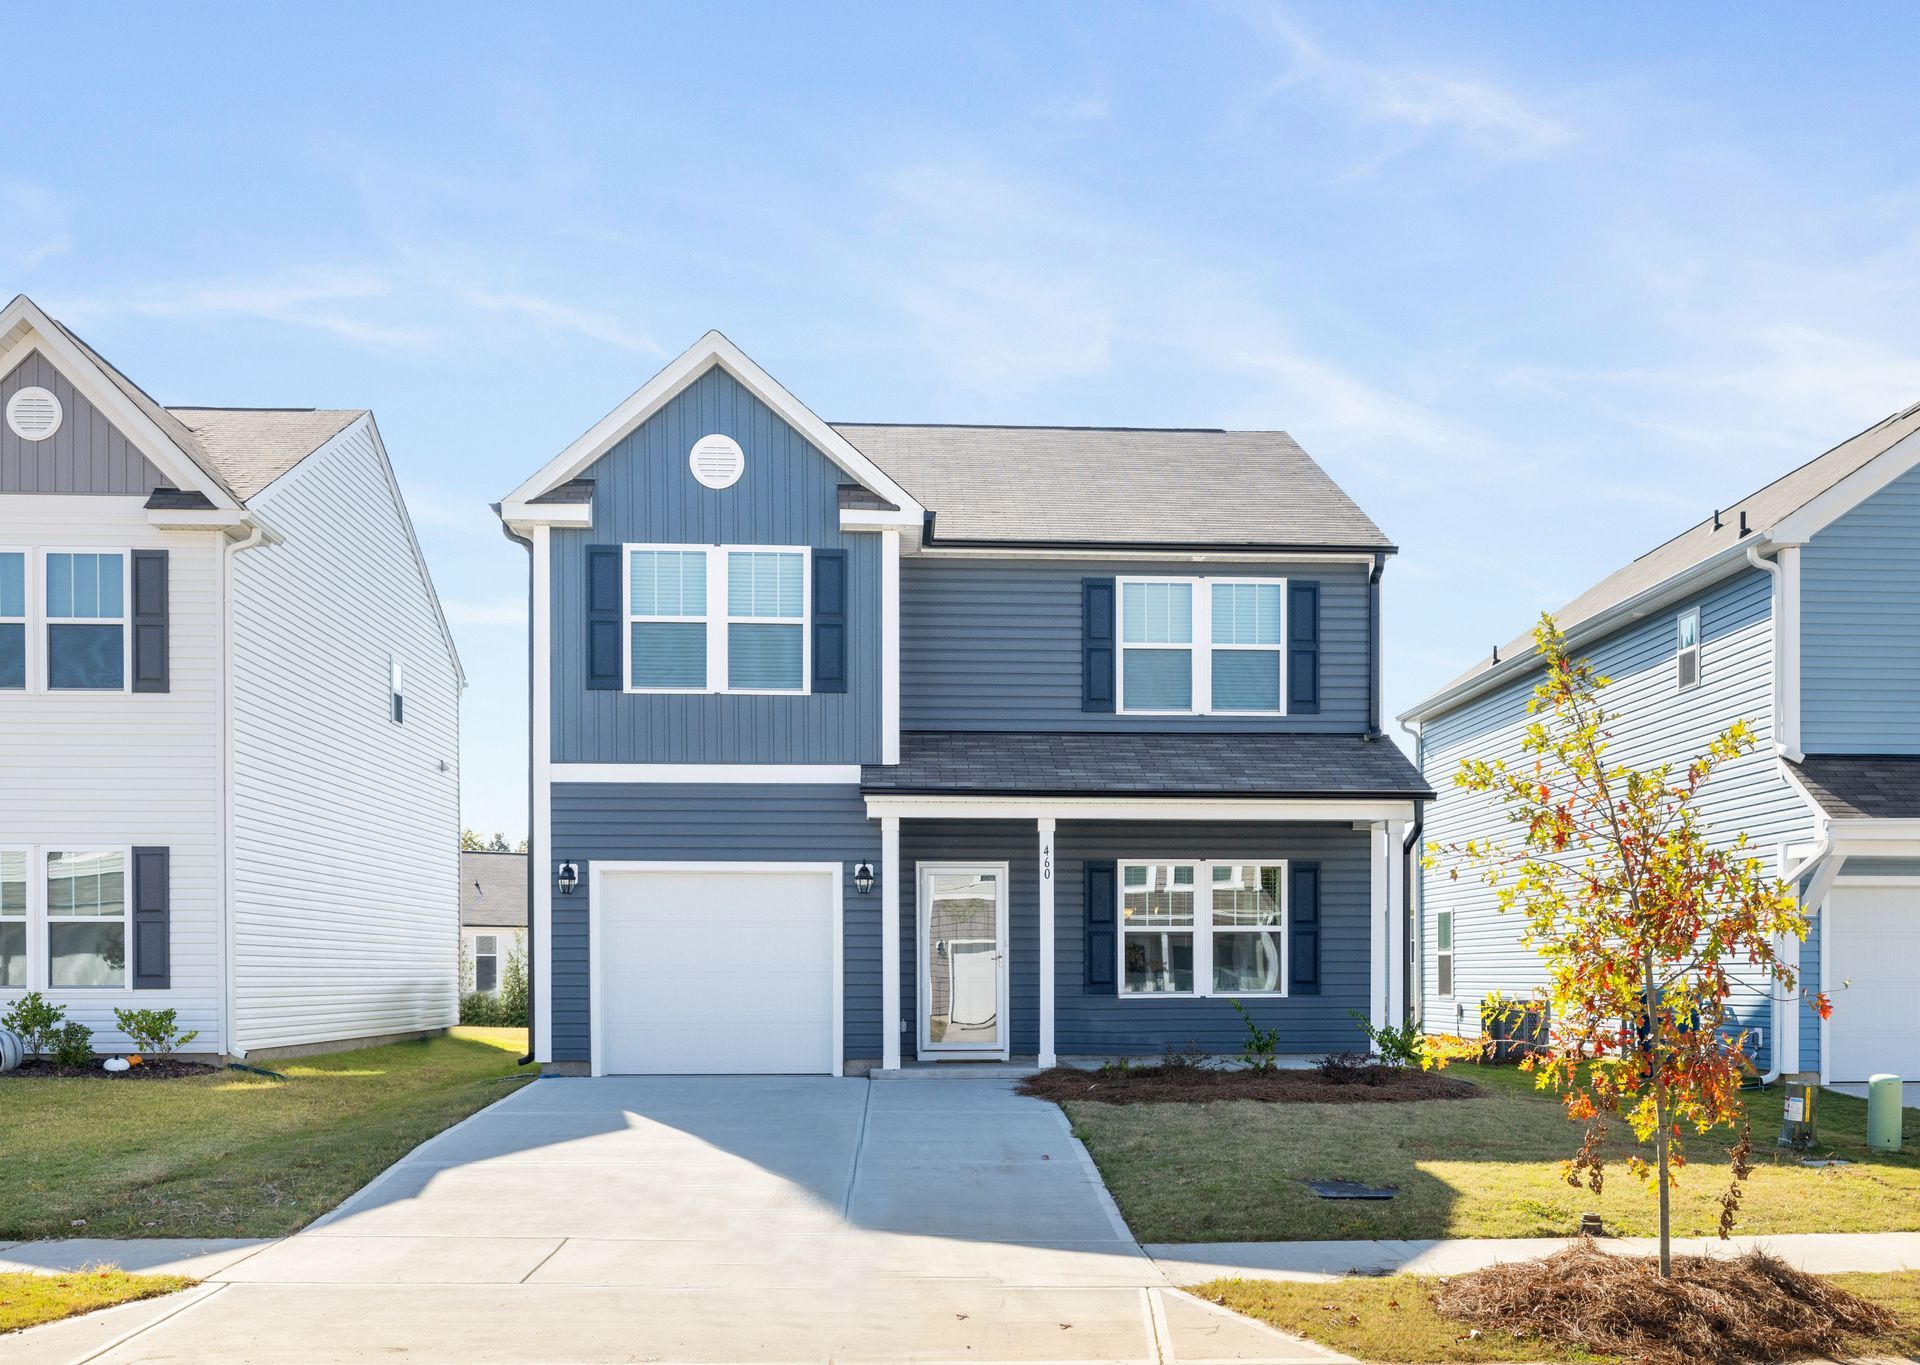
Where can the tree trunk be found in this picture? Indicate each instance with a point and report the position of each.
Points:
(1662, 1135)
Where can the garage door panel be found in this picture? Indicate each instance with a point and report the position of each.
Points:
(1871, 942)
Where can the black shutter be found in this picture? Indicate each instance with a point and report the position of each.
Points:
(1102, 896)
(152, 904)
(1096, 644)
(1303, 647)
(1303, 928)
(149, 620)
(829, 620)
(603, 618)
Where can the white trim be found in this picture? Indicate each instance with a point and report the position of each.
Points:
(522, 517)
(30, 945)
(717, 619)
(598, 871)
(1802, 524)
(1121, 552)
(1203, 928)
(1786, 647)
(872, 519)
(1200, 644)
(43, 856)
(711, 350)
(44, 621)
(1338, 810)
(1397, 959)
(890, 943)
(1681, 651)
(840, 774)
(196, 519)
(1048, 861)
(541, 862)
(229, 976)
(925, 1048)
(889, 647)
(1381, 910)
(24, 620)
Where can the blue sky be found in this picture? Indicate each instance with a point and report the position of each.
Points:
(1539, 285)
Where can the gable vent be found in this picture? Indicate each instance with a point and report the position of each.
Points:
(717, 461)
(33, 414)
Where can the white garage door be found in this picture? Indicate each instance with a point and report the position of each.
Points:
(1873, 942)
(721, 971)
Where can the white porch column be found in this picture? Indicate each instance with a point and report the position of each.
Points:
(889, 646)
(890, 942)
(1382, 910)
(1047, 1057)
(1396, 924)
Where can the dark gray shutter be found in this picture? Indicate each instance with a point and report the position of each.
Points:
(1102, 882)
(829, 620)
(1303, 646)
(151, 672)
(1303, 928)
(1096, 644)
(152, 908)
(603, 618)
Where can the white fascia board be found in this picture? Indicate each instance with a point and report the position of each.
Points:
(868, 519)
(197, 519)
(1874, 836)
(35, 331)
(1802, 524)
(1332, 810)
(712, 349)
(845, 774)
(522, 515)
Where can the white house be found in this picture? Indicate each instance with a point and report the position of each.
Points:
(229, 706)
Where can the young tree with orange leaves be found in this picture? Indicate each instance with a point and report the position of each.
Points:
(1640, 921)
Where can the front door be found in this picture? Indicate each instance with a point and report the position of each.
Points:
(962, 948)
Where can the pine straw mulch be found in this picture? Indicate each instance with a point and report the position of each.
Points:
(1161, 1084)
(149, 1069)
(1713, 1311)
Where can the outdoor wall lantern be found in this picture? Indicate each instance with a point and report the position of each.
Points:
(569, 878)
(863, 879)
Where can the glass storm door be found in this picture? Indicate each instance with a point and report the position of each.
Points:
(963, 959)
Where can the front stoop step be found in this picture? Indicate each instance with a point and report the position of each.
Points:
(958, 1071)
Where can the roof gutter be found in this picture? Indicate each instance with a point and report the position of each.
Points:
(533, 855)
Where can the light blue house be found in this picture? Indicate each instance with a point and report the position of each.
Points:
(866, 746)
(1797, 609)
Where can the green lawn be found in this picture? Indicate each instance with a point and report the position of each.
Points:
(1392, 1319)
(1487, 1167)
(27, 1300)
(233, 1154)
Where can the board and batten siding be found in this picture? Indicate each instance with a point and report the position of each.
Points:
(346, 825)
(723, 823)
(88, 454)
(644, 493)
(98, 769)
(989, 644)
(1860, 627)
(1657, 724)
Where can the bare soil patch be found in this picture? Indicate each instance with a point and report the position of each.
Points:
(152, 1069)
(1199, 1085)
(1713, 1310)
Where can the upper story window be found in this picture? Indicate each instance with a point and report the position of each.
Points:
(717, 618)
(1235, 666)
(86, 621)
(1203, 928)
(1687, 656)
(396, 692)
(13, 619)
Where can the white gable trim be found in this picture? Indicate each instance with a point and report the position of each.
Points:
(30, 330)
(1802, 524)
(712, 349)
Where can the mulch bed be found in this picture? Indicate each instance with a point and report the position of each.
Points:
(153, 1069)
(1713, 1310)
(1200, 1085)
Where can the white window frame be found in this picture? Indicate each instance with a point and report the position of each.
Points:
(716, 620)
(32, 945)
(46, 620)
(924, 873)
(1681, 651)
(48, 919)
(25, 620)
(396, 690)
(496, 955)
(1453, 930)
(1204, 929)
(1201, 688)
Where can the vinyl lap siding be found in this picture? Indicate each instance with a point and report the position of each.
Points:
(346, 863)
(1658, 725)
(109, 769)
(1860, 627)
(995, 645)
(606, 822)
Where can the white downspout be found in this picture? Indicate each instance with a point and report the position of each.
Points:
(1816, 864)
(1786, 646)
(229, 1024)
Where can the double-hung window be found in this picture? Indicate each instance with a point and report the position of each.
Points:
(13, 918)
(86, 595)
(1443, 953)
(1203, 928)
(1687, 653)
(486, 963)
(719, 618)
(86, 918)
(1232, 662)
(13, 620)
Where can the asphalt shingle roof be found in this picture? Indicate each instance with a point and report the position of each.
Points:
(1117, 486)
(1863, 786)
(1166, 765)
(493, 890)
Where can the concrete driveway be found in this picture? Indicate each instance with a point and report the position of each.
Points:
(709, 1219)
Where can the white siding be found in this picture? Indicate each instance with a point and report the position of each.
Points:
(511, 942)
(1658, 724)
(86, 769)
(346, 826)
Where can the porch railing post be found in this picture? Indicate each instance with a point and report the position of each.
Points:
(890, 942)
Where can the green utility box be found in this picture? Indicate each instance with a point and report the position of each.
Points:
(1883, 1113)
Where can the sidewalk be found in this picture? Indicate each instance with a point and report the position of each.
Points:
(198, 1258)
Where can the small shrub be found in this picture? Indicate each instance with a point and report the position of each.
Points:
(1354, 1068)
(1186, 1057)
(1398, 1046)
(155, 1033)
(36, 1021)
(513, 988)
(1117, 1068)
(73, 1044)
(1263, 1044)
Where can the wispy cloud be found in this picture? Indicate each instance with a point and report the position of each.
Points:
(553, 315)
(32, 227)
(321, 299)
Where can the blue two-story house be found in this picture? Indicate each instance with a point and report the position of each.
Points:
(862, 746)
(1796, 609)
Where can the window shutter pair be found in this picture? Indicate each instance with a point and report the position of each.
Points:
(1099, 648)
(1102, 881)
(152, 671)
(152, 915)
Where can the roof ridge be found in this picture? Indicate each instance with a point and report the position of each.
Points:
(1053, 426)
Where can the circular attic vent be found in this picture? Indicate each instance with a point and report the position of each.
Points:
(717, 461)
(33, 414)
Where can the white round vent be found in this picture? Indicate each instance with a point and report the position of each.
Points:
(34, 414)
(717, 461)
